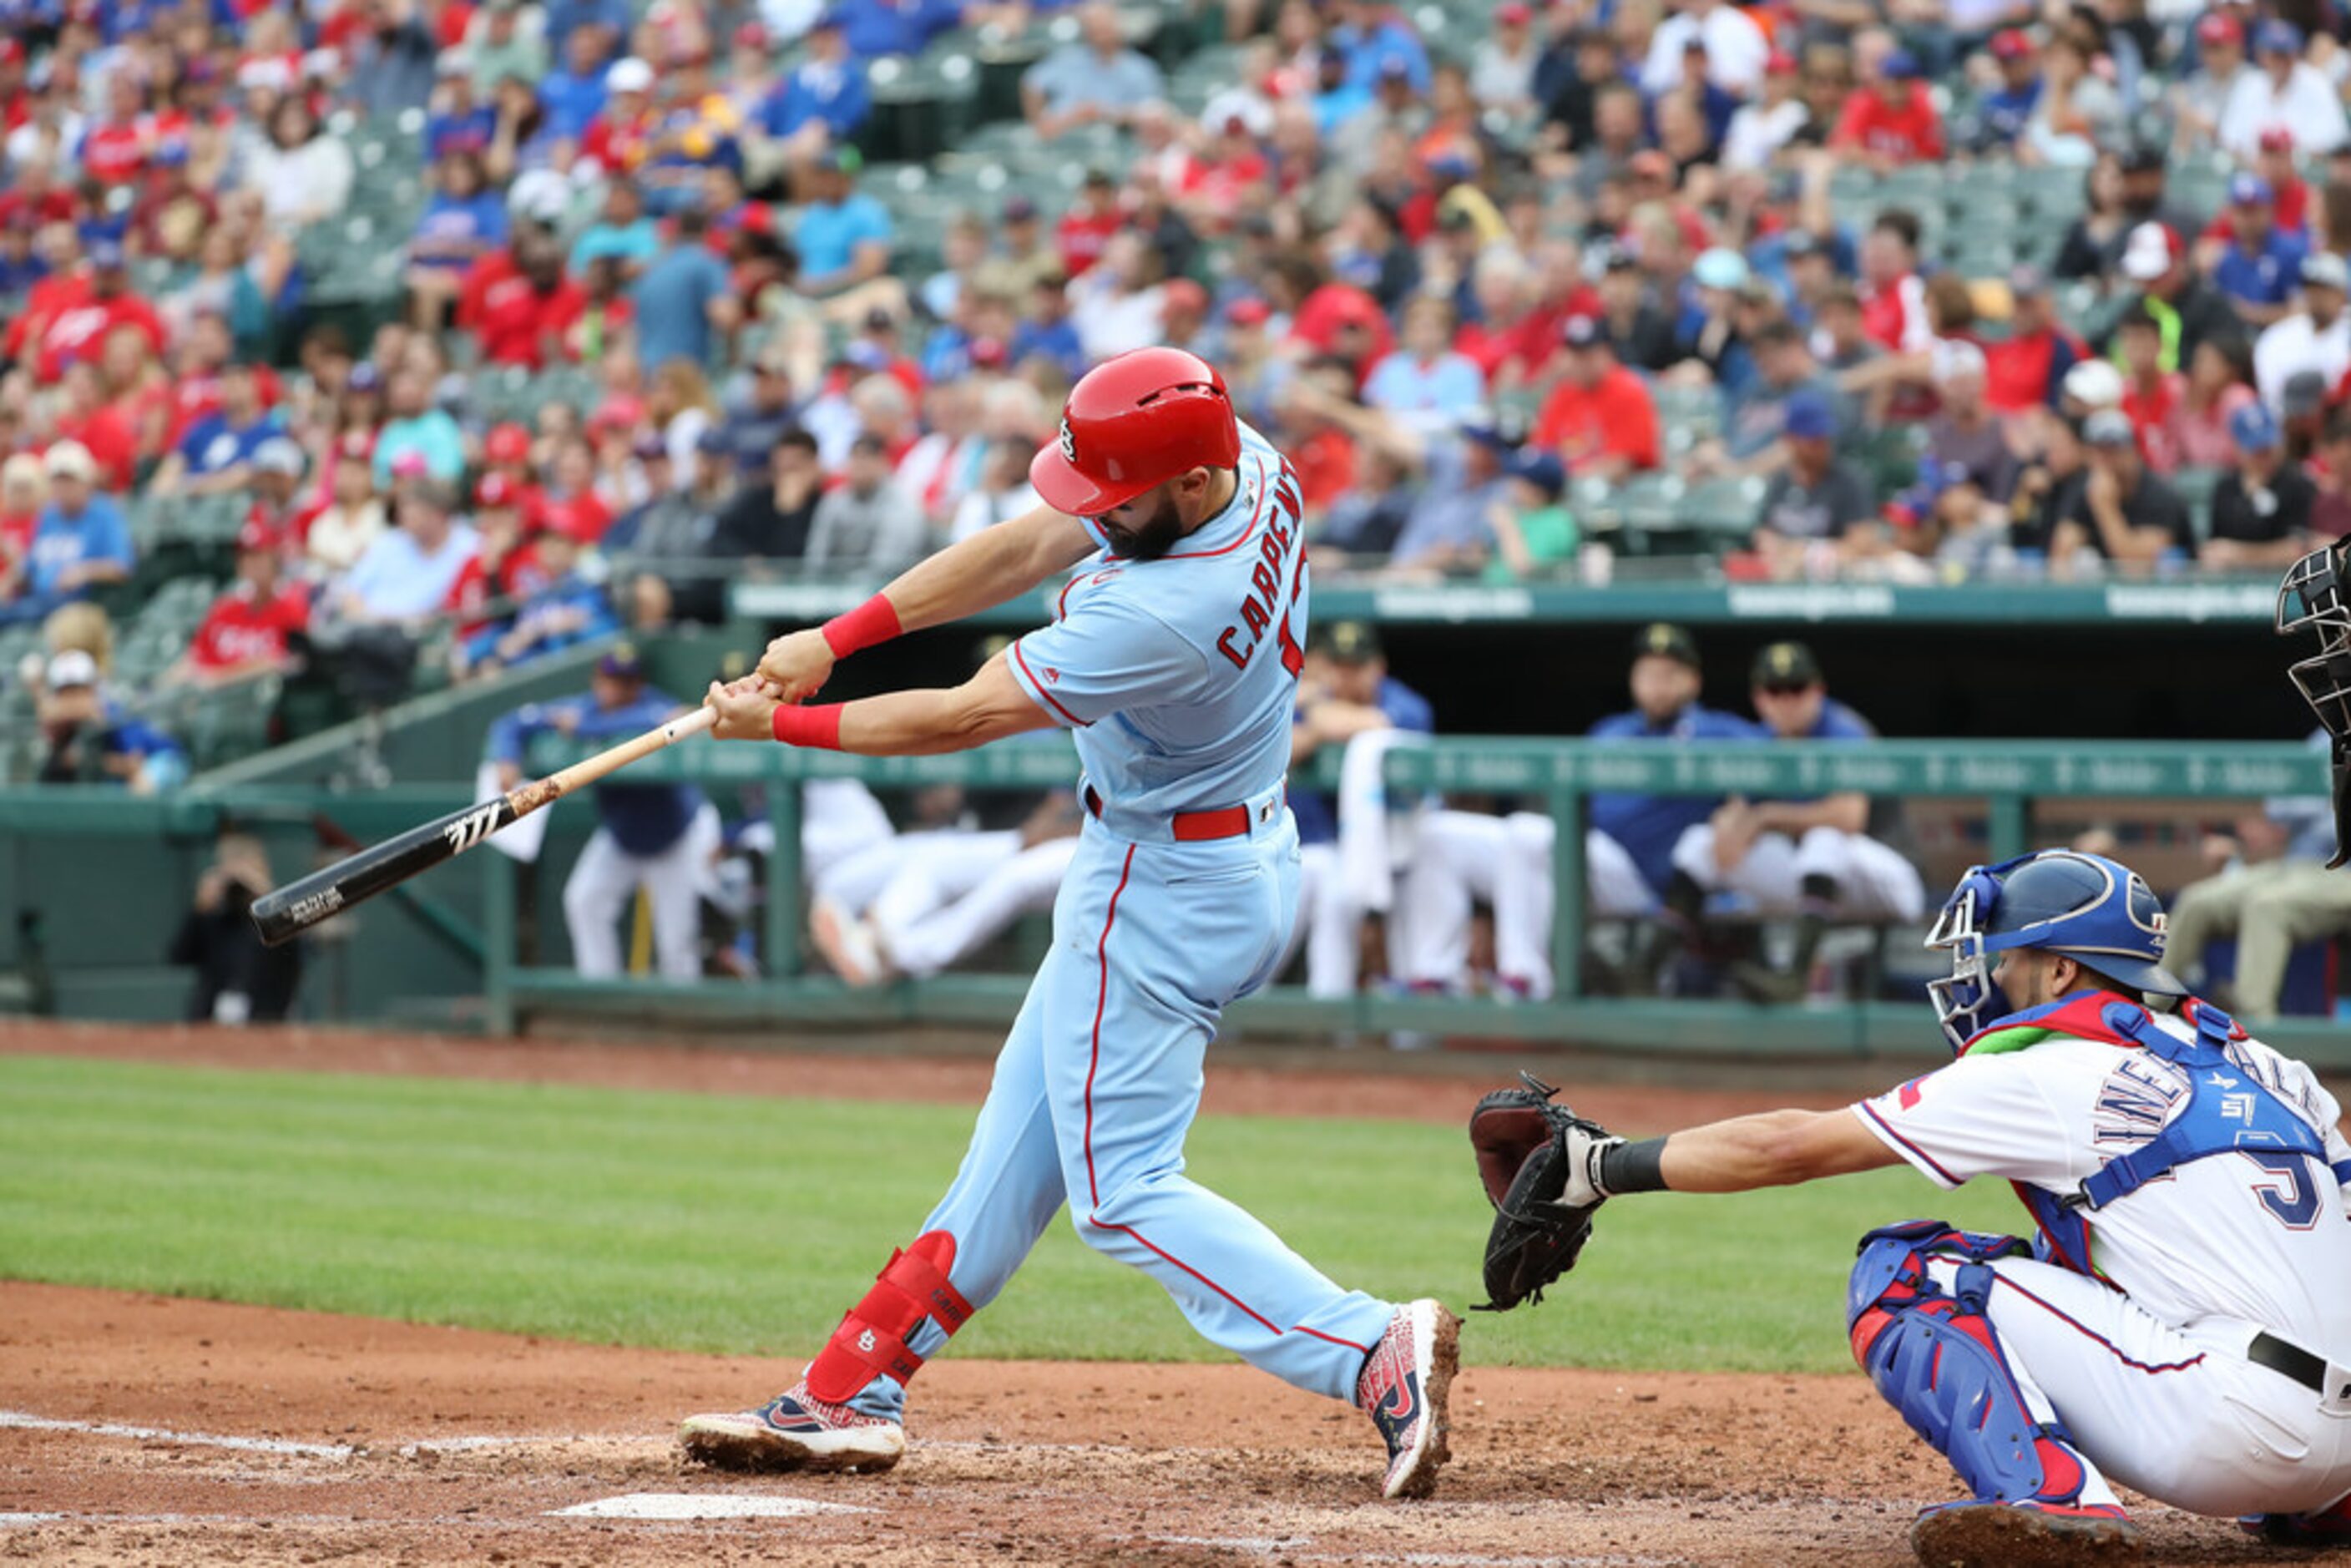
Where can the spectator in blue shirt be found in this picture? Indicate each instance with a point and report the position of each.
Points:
(82, 538)
(877, 27)
(654, 836)
(461, 123)
(1424, 383)
(575, 92)
(2262, 265)
(464, 220)
(21, 265)
(216, 451)
(611, 18)
(622, 231)
(844, 236)
(1368, 35)
(1095, 82)
(1047, 332)
(2006, 108)
(568, 610)
(823, 102)
(682, 299)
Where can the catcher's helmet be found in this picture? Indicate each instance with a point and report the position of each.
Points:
(1133, 422)
(2313, 597)
(2060, 901)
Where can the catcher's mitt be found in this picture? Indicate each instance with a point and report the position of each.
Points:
(1521, 1138)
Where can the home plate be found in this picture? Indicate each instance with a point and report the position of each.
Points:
(700, 1505)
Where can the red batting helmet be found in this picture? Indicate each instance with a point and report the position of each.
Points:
(1133, 422)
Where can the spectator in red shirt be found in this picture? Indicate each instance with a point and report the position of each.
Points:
(88, 415)
(1893, 295)
(171, 216)
(252, 629)
(84, 316)
(524, 319)
(1086, 229)
(2151, 396)
(2024, 369)
(1600, 419)
(2273, 162)
(115, 151)
(1892, 121)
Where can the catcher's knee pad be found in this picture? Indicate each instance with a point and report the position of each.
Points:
(871, 1339)
(1933, 1355)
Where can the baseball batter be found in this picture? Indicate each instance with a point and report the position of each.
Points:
(1174, 656)
(2177, 1327)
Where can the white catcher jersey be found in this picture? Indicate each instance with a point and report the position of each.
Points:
(2265, 1241)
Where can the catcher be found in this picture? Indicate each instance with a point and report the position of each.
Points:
(2178, 1324)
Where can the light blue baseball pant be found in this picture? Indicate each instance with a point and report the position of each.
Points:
(1097, 1084)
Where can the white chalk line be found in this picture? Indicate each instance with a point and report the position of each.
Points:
(27, 1421)
(680, 1505)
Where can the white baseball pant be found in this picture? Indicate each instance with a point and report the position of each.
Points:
(1024, 883)
(839, 817)
(1464, 857)
(1874, 882)
(599, 886)
(943, 867)
(2178, 1414)
(1614, 890)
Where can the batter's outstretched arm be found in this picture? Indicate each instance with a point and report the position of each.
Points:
(988, 706)
(971, 575)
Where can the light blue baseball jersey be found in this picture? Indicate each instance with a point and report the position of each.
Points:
(1178, 674)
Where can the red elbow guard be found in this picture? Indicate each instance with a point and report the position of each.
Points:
(872, 1340)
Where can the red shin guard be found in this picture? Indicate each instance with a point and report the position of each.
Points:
(872, 1340)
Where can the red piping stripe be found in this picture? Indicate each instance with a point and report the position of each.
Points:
(1872, 1115)
(2091, 1334)
(1256, 517)
(1331, 1338)
(1170, 1256)
(1038, 687)
(1093, 1185)
(1102, 1001)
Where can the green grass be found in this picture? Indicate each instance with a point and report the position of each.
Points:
(698, 1222)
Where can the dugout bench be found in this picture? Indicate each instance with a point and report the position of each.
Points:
(1996, 786)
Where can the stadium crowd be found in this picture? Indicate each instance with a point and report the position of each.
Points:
(1893, 289)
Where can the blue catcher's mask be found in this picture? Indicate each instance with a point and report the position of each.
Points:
(2060, 901)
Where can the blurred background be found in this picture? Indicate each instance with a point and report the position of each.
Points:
(1759, 458)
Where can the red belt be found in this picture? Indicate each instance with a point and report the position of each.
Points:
(1194, 827)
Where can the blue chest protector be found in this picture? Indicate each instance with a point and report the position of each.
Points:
(2229, 1110)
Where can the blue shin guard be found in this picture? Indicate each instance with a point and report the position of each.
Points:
(1934, 1356)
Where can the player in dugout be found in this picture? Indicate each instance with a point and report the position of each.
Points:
(2176, 1326)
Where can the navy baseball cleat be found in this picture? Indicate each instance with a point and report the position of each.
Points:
(1403, 1388)
(794, 1431)
(2023, 1535)
(2323, 1527)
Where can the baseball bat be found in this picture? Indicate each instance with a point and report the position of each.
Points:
(282, 913)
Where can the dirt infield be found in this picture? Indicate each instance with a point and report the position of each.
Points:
(137, 1429)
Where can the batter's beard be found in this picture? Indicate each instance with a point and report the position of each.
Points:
(1154, 538)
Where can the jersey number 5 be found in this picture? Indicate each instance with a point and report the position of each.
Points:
(2291, 1197)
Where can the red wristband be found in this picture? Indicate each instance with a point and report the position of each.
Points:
(876, 621)
(817, 726)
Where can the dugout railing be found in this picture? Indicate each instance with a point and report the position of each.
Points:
(1997, 787)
